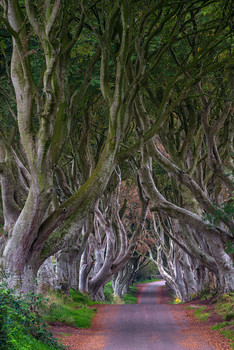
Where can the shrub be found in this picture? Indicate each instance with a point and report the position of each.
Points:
(21, 328)
(225, 306)
(109, 293)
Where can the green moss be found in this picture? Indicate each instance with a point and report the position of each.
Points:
(207, 296)
(226, 328)
(201, 315)
(225, 306)
(222, 325)
(60, 131)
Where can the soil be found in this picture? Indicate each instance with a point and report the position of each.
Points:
(108, 330)
(214, 338)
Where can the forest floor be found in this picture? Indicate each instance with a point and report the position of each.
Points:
(152, 324)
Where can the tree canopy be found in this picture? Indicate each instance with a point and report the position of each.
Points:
(99, 93)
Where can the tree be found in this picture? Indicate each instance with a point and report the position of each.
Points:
(43, 211)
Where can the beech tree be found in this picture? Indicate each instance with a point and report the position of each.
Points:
(185, 274)
(109, 248)
(28, 225)
(131, 40)
(199, 191)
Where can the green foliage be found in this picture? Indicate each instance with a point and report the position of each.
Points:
(207, 294)
(131, 296)
(222, 325)
(146, 274)
(20, 325)
(226, 328)
(81, 298)
(225, 306)
(71, 310)
(203, 316)
(109, 293)
(229, 248)
(225, 213)
(149, 280)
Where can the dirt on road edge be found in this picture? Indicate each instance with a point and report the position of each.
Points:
(96, 337)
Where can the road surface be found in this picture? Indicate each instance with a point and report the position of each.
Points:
(150, 325)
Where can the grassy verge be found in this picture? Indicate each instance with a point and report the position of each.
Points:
(131, 296)
(222, 306)
(31, 343)
(224, 328)
(72, 310)
(225, 308)
(21, 326)
(109, 294)
(201, 315)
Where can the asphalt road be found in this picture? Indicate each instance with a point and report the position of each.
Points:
(150, 325)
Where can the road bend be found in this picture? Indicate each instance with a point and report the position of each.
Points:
(150, 325)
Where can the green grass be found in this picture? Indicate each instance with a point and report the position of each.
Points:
(23, 341)
(109, 293)
(34, 344)
(201, 315)
(225, 329)
(131, 296)
(72, 310)
(21, 327)
(222, 325)
(225, 306)
(81, 298)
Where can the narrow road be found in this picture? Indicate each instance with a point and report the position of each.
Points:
(150, 325)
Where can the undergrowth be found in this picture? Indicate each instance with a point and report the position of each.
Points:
(201, 315)
(131, 296)
(109, 293)
(21, 327)
(72, 310)
(225, 308)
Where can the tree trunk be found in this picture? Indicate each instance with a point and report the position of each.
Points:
(46, 277)
(121, 280)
